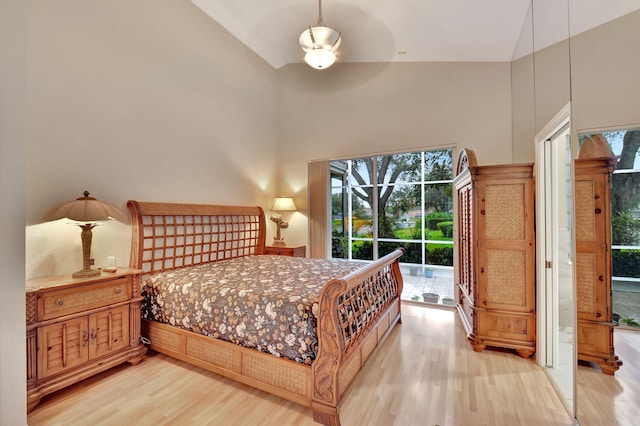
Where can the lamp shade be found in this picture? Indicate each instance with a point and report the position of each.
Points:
(320, 44)
(85, 209)
(281, 204)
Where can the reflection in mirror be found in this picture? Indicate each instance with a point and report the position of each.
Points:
(605, 88)
(625, 224)
(617, 339)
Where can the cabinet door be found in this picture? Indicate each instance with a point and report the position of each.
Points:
(505, 245)
(62, 346)
(593, 267)
(108, 331)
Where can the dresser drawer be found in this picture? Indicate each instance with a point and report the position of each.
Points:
(57, 303)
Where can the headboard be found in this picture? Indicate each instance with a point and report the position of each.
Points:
(169, 236)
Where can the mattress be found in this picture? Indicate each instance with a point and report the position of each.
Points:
(269, 303)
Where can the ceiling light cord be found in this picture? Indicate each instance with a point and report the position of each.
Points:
(320, 20)
(320, 43)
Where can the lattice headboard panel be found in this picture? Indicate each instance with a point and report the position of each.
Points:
(168, 236)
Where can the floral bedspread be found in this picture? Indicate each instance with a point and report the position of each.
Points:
(269, 303)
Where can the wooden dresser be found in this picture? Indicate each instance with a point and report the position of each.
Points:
(593, 257)
(293, 251)
(494, 265)
(79, 327)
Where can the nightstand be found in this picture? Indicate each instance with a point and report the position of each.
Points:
(79, 327)
(293, 251)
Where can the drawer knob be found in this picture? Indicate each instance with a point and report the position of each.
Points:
(59, 302)
(118, 290)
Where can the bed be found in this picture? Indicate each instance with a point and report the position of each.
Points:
(349, 315)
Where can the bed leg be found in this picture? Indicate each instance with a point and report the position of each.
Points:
(325, 415)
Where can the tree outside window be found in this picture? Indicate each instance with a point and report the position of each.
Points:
(400, 200)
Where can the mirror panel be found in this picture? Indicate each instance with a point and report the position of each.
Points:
(552, 94)
(605, 89)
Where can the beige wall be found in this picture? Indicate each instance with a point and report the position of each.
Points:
(149, 100)
(552, 82)
(13, 135)
(360, 109)
(540, 89)
(523, 109)
(601, 81)
(605, 70)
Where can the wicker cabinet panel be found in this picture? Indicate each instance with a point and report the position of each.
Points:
(503, 269)
(56, 303)
(593, 262)
(494, 265)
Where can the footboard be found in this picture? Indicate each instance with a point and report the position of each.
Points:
(355, 315)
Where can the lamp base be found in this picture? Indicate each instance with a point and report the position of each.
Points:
(279, 242)
(87, 273)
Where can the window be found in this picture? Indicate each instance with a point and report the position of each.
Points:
(402, 200)
(625, 223)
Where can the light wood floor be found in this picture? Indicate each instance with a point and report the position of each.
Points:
(426, 374)
(612, 400)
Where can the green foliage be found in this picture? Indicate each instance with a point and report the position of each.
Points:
(337, 204)
(416, 231)
(439, 256)
(626, 263)
(415, 298)
(432, 220)
(446, 228)
(385, 227)
(338, 244)
(625, 229)
(630, 322)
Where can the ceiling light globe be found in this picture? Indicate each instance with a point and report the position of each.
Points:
(320, 58)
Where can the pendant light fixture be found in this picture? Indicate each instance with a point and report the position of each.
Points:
(320, 43)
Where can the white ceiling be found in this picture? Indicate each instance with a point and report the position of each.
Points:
(403, 30)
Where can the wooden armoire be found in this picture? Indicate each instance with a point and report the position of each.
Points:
(494, 266)
(593, 171)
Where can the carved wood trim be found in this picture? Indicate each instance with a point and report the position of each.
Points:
(330, 346)
(466, 160)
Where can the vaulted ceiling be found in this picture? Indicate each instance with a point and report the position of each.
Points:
(404, 30)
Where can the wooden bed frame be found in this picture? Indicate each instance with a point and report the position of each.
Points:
(168, 236)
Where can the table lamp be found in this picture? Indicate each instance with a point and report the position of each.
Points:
(87, 211)
(281, 204)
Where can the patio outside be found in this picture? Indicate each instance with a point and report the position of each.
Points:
(416, 284)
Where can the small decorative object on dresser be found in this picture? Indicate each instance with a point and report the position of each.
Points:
(79, 327)
(293, 251)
